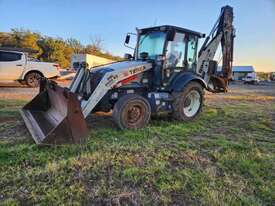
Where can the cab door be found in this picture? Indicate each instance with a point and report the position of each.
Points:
(191, 56)
(175, 57)
(12, 65)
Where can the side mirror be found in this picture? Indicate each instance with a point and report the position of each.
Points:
(128, 56)
(127, 39)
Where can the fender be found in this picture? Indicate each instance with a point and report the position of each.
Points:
(183, 79)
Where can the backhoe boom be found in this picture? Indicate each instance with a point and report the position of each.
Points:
(222, 33)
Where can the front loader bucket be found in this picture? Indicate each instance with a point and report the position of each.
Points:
(54, 116)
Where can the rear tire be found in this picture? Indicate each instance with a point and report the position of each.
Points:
(33, 79)
(188, 103)
(131, 112)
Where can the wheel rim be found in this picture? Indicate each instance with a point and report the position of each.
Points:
(33, 80)
(134, 114)
(192, 103)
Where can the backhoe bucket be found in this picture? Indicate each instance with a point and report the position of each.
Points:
(54, 116)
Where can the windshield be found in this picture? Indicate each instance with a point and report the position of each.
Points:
(152, 43)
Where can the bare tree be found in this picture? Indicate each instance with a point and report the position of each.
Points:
(75, 45)
(96, 42)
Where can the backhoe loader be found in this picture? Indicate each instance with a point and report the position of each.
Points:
(165, 74)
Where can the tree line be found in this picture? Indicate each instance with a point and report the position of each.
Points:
(52, 49)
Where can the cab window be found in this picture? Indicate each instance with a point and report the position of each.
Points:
(191, 53)
(9, 56)
(151, 43)
(176, 51)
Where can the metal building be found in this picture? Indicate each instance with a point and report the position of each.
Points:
(240, 72)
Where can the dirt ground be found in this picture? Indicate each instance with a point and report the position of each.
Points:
(252, 92)
(21, 92)
(262, 94)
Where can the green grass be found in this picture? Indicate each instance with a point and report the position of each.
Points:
(10, 108)
(225, 157)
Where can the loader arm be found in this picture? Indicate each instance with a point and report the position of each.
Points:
(222, 33)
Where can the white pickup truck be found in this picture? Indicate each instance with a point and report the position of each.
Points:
(16, 66)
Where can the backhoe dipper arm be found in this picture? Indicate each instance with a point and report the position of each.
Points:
(222, 33)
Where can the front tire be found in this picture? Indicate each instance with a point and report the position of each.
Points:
(131, 112)
(32, 79)
(188, 103)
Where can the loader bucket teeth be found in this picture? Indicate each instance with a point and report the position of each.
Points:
(54, 116)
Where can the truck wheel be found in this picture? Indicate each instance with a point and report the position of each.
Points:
(131, 112)
(32, 79)
(188, 103)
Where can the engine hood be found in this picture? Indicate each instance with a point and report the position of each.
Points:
(123, 66)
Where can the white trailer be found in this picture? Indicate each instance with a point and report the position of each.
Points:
(92, 60)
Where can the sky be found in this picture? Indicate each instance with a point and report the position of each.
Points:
(111, 20)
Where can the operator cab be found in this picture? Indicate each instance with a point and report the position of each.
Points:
(171, 50)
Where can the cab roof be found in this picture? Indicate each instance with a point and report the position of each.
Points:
(175, 28)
